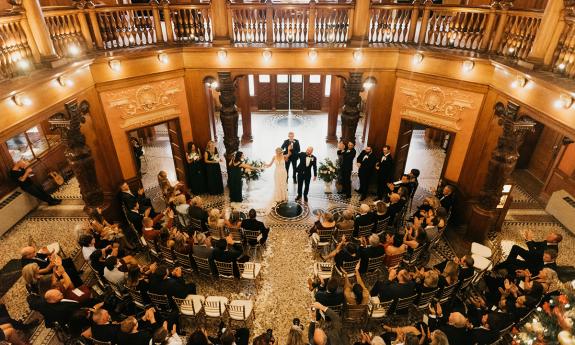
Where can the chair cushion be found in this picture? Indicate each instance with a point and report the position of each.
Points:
(213, 311)
(480, 262)
(480, 249)
(238, 315)
(197, 301)
(251, 270)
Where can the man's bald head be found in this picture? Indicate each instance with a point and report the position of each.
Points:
(319, 337)
(28, 252)
(53, 296)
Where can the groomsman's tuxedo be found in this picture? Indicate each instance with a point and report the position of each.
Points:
(384, 173)
(304, 171)
(347, 157)
(292, 160)
(367, 162)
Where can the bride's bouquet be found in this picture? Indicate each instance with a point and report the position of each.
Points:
(253, 174)
(327, 171)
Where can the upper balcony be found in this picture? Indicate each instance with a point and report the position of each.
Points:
(33, 37)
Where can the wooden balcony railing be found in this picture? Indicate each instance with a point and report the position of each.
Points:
(564, 55)
(454, 27)
(18, 51)
(191, 23)
(517, 30)
(392, 23)
(65, 28)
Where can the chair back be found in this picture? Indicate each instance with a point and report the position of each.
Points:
(97, 342)
(323, 269)
(403, 304)
(391, 261)
(195, 224)
(355, 315)
(137, 297)
(466, 282)
(216, 233)
(249, 270)
(338, 233)
(237, 233)
(203, 266)
(103, 284)
(184, 261)
(379, 310)
(150, 246)
(338, 309)
(375, 263)
(214, 308)
(381, 226)
(182, 218)
(237, 312)
(415, 256)
(118, 290)
(348, 267)
(447, 293)
(160, 302)
(167, 254)
(365, 230)
(225, 269)
(251, 236)
(325, 236)
(189, 306)
(424, 299)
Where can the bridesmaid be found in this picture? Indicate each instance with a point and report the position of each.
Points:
(235, 169)
(213, 171)
(196, 174)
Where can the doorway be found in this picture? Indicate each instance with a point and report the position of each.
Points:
(295, 92)
(162, 149)
(425, 148)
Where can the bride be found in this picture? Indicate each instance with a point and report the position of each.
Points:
(280, 175)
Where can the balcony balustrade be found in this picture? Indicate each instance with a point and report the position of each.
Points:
(503, 32)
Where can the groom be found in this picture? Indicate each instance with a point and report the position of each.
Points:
(307, 162)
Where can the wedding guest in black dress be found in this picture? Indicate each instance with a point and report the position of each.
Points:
(196, 170)
(347, 153)
(235, 169)
(213, 171)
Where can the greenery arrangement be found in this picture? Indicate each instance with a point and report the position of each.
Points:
(253, 174)
(552, 323)
(327, 170)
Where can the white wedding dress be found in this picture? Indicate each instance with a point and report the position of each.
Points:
(280, 181)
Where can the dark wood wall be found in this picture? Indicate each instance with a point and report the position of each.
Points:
(274, 95)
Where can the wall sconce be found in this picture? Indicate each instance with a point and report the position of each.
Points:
(21, 100)
(64, 81)
(312, 54)
(73, 50)
(267, 55)
(369, 83)
(468, 65)
(565, 101)
(561, 66)
(115, 65)
(511, 50)
(212, 83)
(520, 81)
(357, 55)
(222, 55)
(417, 58)
(163, 58)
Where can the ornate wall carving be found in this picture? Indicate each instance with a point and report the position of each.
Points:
(434, 105)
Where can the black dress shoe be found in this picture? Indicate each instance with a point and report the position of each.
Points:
(305, 198)
(362, 198)
(357, 190)
(298, 198)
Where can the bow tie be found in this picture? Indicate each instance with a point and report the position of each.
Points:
(308, 155)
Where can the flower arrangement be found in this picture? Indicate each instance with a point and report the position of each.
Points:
(253, 174)
(327, 170)
(552, 323)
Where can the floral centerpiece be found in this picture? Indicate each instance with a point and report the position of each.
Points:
(552, 323)
(327, 172)
(253, 174)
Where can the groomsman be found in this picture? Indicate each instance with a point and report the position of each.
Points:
(307, 163)
(366, 162)
(291, 146)
(347, 155)
(384, 169)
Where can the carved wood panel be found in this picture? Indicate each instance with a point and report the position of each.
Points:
(403, 143)
(296, 94)
(313, 94)
(282, 95)
(178, 151)
(263, 93)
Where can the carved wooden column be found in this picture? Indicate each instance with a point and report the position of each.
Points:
(334, 102)
(545, 37)
(78, 153)
(360, 22)
(501, 165)
(39, 30)
(244, 95)
(350, 113)
(228, 112)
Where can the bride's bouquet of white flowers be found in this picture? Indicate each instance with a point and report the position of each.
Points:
(253, 174)
(327, 170)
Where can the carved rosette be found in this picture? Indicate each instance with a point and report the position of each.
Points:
(77, 152)
(352, 100)
(505, 155)
(228, 112)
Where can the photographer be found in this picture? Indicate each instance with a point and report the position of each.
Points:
(228, 336)
(318, 336)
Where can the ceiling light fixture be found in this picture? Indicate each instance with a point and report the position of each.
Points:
(417, 58)
(163, 58)
(357, 55)
(115, 65)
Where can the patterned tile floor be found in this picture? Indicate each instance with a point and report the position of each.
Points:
(287, 260)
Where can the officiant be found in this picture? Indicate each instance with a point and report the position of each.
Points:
(291, 149)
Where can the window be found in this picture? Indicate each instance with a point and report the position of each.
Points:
(264, 78)
(37, 140)
(296, 78)
(282, 78)
(19, 148)
(327, 90)
(251, 87)
(315, 79)
(33, 143)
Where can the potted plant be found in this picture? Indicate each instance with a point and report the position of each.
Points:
(327, 172)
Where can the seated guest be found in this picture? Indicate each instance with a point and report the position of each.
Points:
(216, 222)
(456, 328)
(182, 243)
(148, 231)
(164, 282)
(330, 295)
(380, 212)
(345, 252)
(46, 261)
(394, 208)
(130, 334)
(372, 250)
(324, 221)
(202, 246)
(103, 329)
(447, 197)
(164, 337)
(397, 285)
(9, 334)
(136, 218)
(224, 251)
(35, 282)
(356, 294)
(251, 223)
(414, 237)
(364, 218)
(549, 258)
(429, 281)
(115, 270)
(105, 230)
(196, 211)
(488, 332)
(466, 267)
(181, 211)
(346, 220)
(129, 199)
(533, 255)
(450, 275)
(57, 309)
(235, 220)
(396, 247)
(139, 281)
(87, 243)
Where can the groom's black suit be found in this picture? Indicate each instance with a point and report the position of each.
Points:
(294, 154)
(304, 171)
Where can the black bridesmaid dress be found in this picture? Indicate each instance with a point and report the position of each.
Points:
(235, 182)
(214, 176)
(197, 175)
